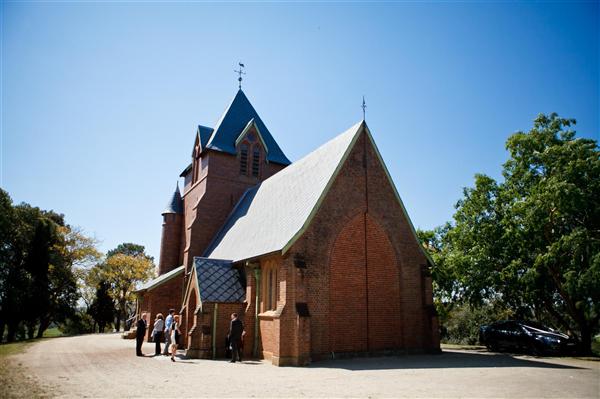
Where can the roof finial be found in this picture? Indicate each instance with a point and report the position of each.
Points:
(364, 107)
(240, 72)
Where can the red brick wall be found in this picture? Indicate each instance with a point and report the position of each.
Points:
(209, 201)
(348, 293)
(383, 282)
(398, 294)
(170, 243)
(161, 299)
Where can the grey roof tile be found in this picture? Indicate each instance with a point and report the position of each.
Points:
(271, 214)
(231, 124)
(218, 281)
(175, 205)
(161, 279)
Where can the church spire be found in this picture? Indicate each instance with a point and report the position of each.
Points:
(175, 205)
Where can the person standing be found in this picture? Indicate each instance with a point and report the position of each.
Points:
(175, 333)
(168, 323)
(140, 333)
(157, 332)
(236, 329)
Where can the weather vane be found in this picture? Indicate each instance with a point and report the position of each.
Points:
(240, 72)
(364, 107)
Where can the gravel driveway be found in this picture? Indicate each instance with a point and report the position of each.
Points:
(104, 365)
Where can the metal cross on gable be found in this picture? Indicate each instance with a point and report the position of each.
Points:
(364, 107)
(240, 72)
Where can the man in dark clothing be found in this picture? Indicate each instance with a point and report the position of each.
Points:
(140, 333)
(236, 329)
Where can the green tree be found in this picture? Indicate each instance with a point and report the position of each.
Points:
(38, 252)
(102, 308)
(12, 279)
(533, 240)
(124, 268)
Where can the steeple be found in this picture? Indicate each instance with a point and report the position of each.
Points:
(171, 234)
(233, 121)
(175, 205)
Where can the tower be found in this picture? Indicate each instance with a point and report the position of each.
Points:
(171, 234)
(237, 154)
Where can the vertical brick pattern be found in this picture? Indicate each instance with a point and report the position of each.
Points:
(383, 289)
(348, 290)
(170, 243)
(160, 300)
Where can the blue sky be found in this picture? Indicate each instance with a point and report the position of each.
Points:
(100, 100)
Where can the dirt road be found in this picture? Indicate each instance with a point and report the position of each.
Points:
(105, 366)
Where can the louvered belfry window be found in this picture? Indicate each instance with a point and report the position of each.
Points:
(256, 161)
(244, 159)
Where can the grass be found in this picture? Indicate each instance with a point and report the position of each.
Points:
(13, 348)
(53, 332)
(15, 381)
(462, 347)
(596, 345)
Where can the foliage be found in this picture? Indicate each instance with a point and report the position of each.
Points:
(531, 242)
(78, 323)
(39, 254)
(102, 308)
(124, 268)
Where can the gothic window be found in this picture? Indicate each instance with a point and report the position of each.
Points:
(269, 296)
(244, 159)
(256, 161)
(270, 287)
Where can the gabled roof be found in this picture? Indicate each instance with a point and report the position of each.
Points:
(232, 122)
(161, 279)
(175, 205)
(204, 133)
(270, 215)
(218, 281)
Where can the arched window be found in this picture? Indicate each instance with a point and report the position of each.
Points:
(256, 161)
(269, 287)
(244, 159)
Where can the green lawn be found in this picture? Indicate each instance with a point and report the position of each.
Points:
(53, 332)
(13, 348)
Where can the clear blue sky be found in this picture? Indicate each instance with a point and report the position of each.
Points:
(100, 101)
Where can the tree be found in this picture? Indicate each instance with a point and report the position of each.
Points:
(11, 279)
(533, 240)
(38, 254)
(102, 309)
(124, 268)
(130, 249)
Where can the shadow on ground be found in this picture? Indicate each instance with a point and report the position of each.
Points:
(447, 359)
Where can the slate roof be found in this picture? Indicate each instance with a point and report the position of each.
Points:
(205, 133)
(272, 214)
(175, 205)
(161, 279)
(231, 124)
(218, 281)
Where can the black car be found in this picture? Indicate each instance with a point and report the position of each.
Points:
(521, 336)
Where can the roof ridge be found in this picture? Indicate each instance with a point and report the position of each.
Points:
(308, 180)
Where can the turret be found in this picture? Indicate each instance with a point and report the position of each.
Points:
(171, 234)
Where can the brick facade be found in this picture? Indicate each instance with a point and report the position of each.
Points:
(170, 243)
(356, 281)
(160, 299)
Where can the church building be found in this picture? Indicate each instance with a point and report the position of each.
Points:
(318, 257)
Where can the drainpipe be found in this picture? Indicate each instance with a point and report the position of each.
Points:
(257, 297)
(214, 332)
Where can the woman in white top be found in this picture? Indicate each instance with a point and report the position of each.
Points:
(174, 336)
(159, 325)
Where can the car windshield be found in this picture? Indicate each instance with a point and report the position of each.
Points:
(535, 326)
